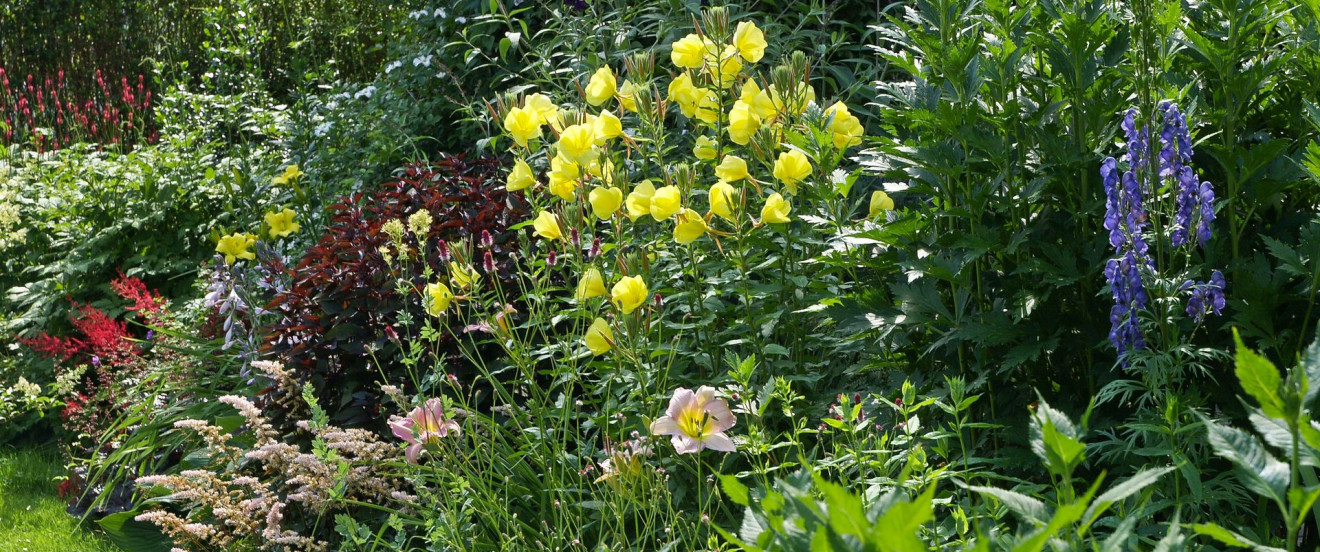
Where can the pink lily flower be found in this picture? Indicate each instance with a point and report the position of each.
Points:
(696, 421)
(425, 425)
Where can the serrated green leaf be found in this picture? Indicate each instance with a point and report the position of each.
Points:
(1259, 378)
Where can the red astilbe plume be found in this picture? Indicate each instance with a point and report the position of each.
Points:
(145, 302)
(49, 346)
(103, 336)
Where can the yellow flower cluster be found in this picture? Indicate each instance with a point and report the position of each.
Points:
(749, 134)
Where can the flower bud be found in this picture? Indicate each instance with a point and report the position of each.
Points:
(486, 240)
(575, 238)
(552, 259)
(488, 263)
(444, 251)
(659, 301)
(595, 249)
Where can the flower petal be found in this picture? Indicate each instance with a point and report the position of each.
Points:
(720, 442)
(664, 426)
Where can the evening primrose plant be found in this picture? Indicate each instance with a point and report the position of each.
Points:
(679, 200)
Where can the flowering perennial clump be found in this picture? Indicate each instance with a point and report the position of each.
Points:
(1132, 198)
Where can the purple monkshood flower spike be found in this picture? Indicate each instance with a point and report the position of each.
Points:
(1207, 200)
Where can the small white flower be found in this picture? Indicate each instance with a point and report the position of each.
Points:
(366, 92)
(460, 20)
(322, 128)
(393, 65)
(416, 14)
(441, 75)
(440, 12)
(422, 60)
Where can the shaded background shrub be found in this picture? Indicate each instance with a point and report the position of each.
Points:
(342, 317)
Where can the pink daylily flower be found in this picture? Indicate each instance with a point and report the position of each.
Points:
(696, 421)
(425, 425)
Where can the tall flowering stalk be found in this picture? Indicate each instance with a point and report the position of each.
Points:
(1138, 210)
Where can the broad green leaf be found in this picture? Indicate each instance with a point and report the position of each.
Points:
(1230, 538)
(1259, 470)
(1030, 508)
(896, 531)
(1259, 378)
(735, 490)
(1118, 493)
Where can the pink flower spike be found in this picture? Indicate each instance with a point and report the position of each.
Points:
(425, 425)
(696, 421)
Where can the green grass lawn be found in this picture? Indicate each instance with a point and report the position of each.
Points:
(32, 517)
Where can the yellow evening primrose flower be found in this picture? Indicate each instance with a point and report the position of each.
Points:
(731, 169)
(639, 201)
(681, 92)
(545, 110)
(578, 144)
(705, 148)
(564, 175)
(291, 174)
(605, 201)
(721, 199)
(462, 276)
(599, 338)
(765, 103)
(281, 224)
(629, 293)
(708, 106)
(420, 223)
(523, 125)
(743, 123)
(750, 41)
(688, 52)
(729, 66)
(607, 127)
(547, 226)
(749, 91)
(880, 202)
(628, 95)
(601, 87)
(776, 210)
(604, 171)
(520, 177)
(591, 286)
(666, 201)
(792, 167)
(847, 128)
(688, 226)
(235, 246)
(438, 297)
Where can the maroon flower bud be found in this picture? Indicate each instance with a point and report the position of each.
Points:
(659, 301)
(390, 333)
(486, 240)
(595, 249)
(857, 398)
(552, 258)
(575, 238)
(488, 263)
(444, 251)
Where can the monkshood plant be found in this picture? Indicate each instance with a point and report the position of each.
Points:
(1159, 217)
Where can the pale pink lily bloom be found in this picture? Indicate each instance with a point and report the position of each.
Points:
(696, 421)
(425, 425)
